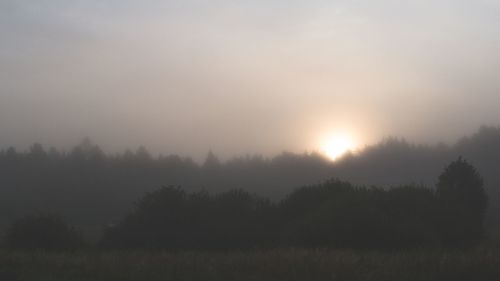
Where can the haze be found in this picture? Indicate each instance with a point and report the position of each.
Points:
(243, 77)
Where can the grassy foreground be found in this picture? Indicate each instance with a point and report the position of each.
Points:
(286, 265)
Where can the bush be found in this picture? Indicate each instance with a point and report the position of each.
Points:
(463, 202)
(173, 219)
(333, 214)
(43, 232)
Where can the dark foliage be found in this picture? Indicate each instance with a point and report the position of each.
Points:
(463, 203)
(172, 219)
(334, 214)
(339, 215)
(42, 232)
(68, 182)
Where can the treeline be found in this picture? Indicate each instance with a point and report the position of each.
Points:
(334, 214)
(68, 182)
(93, 189)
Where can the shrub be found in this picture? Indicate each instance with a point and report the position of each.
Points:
(43, 232)
(463, 203)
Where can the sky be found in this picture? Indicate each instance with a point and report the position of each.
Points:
(243, 77)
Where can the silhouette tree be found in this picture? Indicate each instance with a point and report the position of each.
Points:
(142, 154)
(43, 232)
(37, 151)
(87, 151)
(211, 161)
(464, 202)
(173, 219)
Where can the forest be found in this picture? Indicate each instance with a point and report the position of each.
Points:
(93, 190)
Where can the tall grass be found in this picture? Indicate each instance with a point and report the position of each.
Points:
(289, 265)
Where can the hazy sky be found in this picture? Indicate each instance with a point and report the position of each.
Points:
(246, 76)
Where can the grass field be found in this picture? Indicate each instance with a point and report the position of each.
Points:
(286, 265)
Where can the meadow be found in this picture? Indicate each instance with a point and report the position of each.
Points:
(474, 264)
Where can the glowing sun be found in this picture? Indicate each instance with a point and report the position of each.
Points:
(337, 145)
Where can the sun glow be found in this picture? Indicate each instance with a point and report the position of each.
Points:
(337, 145)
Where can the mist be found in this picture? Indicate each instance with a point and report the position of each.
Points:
(243, 78)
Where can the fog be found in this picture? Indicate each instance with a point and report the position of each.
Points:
(244, 77)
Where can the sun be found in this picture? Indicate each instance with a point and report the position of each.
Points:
(337, 145)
